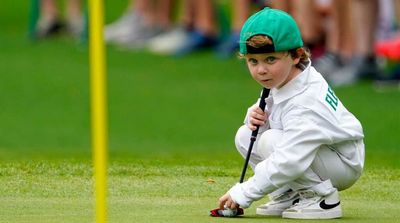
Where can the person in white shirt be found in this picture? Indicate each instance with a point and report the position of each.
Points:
(309, 145)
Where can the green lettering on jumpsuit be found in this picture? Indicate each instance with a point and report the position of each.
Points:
(331, 99)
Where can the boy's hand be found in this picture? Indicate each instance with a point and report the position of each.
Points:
(227, 202)
(227, 208)
(257, 117)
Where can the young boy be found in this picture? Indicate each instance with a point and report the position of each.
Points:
(309, 146)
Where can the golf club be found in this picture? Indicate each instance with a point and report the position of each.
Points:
(253, 137)
(227, 212)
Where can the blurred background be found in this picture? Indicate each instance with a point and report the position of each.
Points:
(177, 93)
(176, 86)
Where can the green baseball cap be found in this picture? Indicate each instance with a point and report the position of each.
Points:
(277, 25)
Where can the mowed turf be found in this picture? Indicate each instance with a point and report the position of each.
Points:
(171, 128)
(160, 191)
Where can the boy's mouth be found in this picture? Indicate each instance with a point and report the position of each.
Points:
(266, 80)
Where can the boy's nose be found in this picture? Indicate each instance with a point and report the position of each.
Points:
(261, 70)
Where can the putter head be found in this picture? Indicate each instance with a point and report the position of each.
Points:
(226, 212)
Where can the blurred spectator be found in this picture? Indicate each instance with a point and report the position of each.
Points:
(204, 30)
(388, 45)
(386, 20)
(50, 21)
(363, 63)
(348, 38)
(241, 10)
(308, 18)
(397, 12)
(339, 39)
(149, 24)
(389, 49)
(351, 36)
(197, 29)
(143, 20)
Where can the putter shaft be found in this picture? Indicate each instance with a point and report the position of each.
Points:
(253, 137)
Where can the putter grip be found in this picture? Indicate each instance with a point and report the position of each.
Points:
(262, 104)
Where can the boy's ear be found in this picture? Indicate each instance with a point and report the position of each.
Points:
(296, 60)
(299, 52)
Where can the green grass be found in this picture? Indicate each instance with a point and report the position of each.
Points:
(161, 191)
(171, 128)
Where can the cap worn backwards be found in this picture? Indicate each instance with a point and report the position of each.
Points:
(277, 25)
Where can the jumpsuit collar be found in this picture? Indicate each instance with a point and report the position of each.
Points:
(294, 87)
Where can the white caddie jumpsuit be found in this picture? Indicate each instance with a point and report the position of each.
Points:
(311, 141)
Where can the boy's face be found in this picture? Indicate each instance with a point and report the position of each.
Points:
(272, 70)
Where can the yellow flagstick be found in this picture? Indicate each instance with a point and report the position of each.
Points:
(98, 107)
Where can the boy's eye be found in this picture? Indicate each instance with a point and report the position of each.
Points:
(252, 60)
(270, 59)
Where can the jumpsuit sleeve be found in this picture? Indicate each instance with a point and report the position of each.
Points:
(292, 156)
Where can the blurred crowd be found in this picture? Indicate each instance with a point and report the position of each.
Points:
(349, 39)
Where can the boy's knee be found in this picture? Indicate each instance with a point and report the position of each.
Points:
(267, 142)
(242, 139)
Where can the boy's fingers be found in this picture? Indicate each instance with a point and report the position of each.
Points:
(222, 201)
(259, 111)
(259, 116)
(234, 206)
(228, 204)
(255, 122)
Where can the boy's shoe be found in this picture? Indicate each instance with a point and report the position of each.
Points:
(313, 206)
(278, 203)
